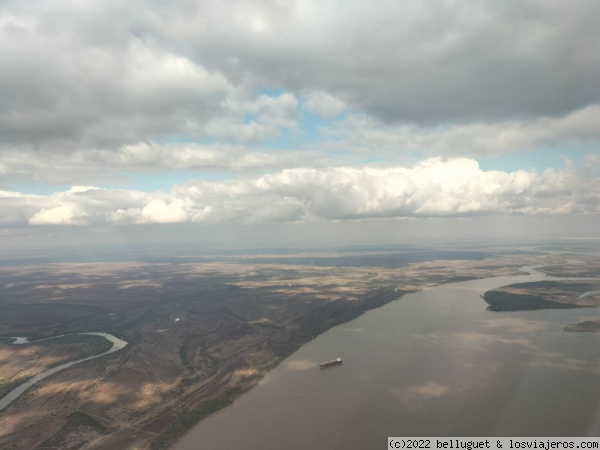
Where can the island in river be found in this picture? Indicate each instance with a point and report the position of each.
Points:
(555, 294)
(544, 295)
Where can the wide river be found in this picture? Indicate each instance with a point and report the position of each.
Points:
(434, 363)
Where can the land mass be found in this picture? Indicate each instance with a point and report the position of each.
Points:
(543, 295)
(200, 334)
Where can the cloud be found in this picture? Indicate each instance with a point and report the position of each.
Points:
(66, 93)
(431, 188)
(59, 215)
(98, 92)
(477, 138)
(357, 136)
(407, 61)
(113, 74)
(16, 208)
(254, 120)
(159, 211)
(323, 104)
(114, 166)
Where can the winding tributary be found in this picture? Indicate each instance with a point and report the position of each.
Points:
(118, 344)
(433, 363)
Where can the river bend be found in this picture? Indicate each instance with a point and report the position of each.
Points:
(118, 344)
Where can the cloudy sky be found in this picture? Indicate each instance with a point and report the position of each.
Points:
(229, 113)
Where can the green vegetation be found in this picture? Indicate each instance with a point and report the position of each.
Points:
(183, 356)
(191, 379)
(203, 362)
(508, 301)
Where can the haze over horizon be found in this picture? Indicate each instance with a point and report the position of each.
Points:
(306, 121)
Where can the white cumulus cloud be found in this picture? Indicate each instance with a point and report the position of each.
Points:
(431, 188)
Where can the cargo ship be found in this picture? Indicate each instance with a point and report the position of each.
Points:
(331, 362)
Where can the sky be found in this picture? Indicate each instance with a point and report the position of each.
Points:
(290, 115)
